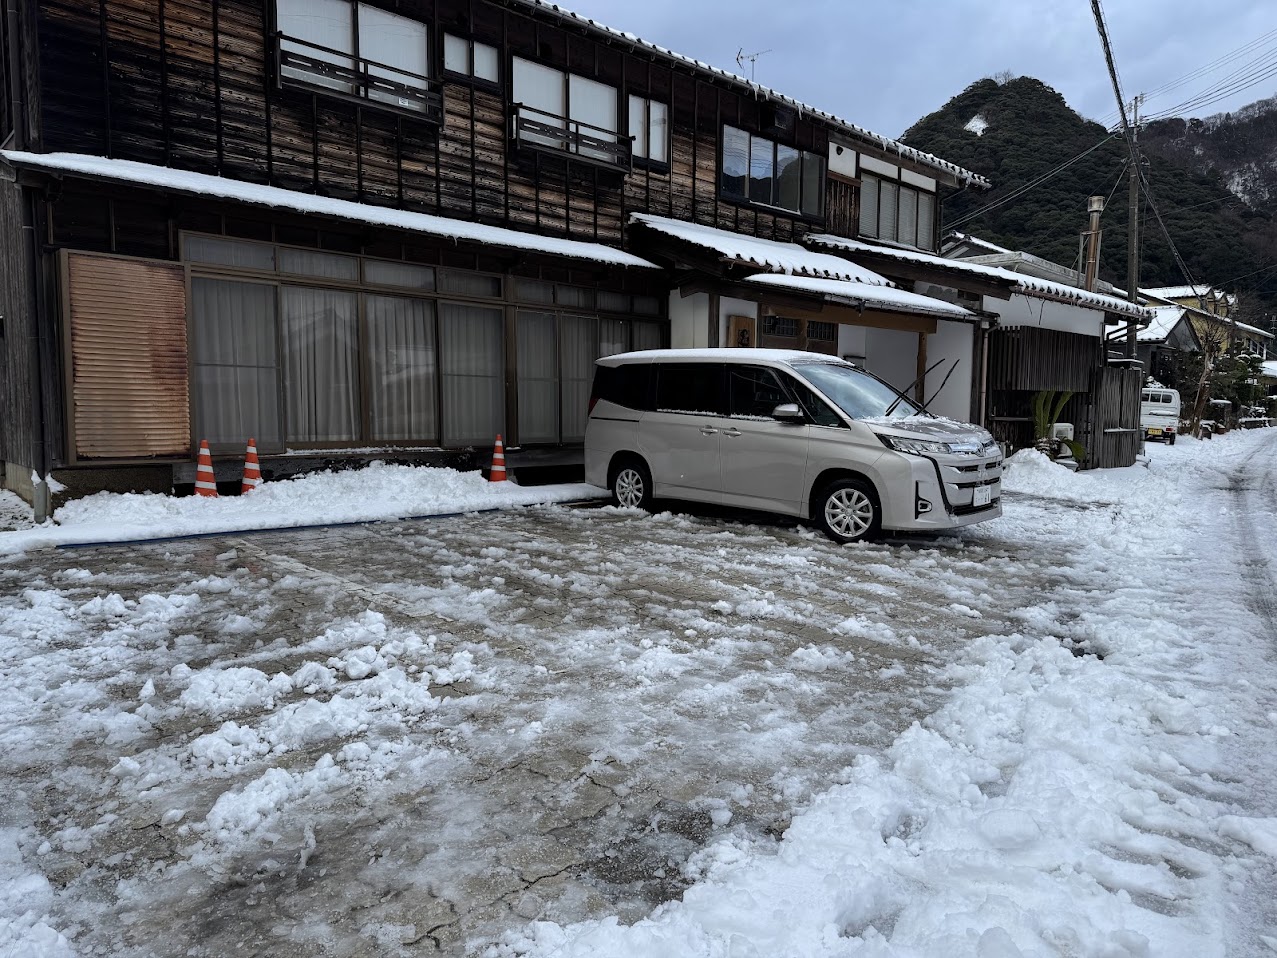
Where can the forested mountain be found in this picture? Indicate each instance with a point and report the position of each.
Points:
(1240, 146)
(1015, 131)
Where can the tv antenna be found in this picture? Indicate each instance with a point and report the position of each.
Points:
(742, 56)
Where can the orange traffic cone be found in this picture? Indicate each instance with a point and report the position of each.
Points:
(497, 473)
(205, 484)
(252, 470)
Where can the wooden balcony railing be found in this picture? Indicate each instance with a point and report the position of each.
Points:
(304, 65)
(545, 131)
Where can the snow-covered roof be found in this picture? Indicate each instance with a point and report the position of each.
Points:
(1165, 319)
(1269, 369)
(976, 241)
(770, 255)
(863, 295)
(1179, 292)
(1251, 329)
(184, 181)
(1020, 282)
(759, 91)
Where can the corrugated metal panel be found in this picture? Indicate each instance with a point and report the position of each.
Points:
(129, 357)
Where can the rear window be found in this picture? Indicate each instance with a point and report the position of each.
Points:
(695, 388)
(629, 385)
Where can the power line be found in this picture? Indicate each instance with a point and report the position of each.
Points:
(1020, 191)
(1258, 43)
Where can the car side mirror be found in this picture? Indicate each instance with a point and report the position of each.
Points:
(789, 412)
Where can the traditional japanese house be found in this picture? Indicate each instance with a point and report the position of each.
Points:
(350, 226)
(1055, 335)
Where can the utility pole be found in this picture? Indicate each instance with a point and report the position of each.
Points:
(1133, 221)
(1128, 129)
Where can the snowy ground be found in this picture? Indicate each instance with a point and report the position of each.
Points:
(567, 732)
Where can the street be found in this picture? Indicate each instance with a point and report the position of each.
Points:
(495, 732)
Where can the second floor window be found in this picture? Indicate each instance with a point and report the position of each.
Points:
(355, 49)
(650, 128)
(759, 170)
(897, 213)
(564, 111)
(470, 58)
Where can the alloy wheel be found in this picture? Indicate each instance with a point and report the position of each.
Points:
(849, 512)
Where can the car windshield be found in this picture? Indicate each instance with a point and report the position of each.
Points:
(856, 392)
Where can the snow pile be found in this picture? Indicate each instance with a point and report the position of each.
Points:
(380, 491)
(977, 125)
(14, 513)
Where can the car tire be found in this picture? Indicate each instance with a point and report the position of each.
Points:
(1170, 440)
(631, 485)
(848, 510)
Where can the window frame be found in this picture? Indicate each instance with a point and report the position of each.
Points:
(645, 160)
(363, 71)
(920, 198)
(470, 76)
(571, 148)
(508, 300)
(805, 157)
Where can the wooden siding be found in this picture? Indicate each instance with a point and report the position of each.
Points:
(1115, 433)
(1028, 358)
(130, 380)
(18, 338)
(189, 84)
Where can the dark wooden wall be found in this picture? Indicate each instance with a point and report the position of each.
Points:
(18, 338)
(188, 84)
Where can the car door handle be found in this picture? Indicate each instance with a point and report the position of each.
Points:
(708, 431)
(732, 431)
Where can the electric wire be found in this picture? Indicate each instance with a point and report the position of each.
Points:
(1251, 47)
(1022, 190)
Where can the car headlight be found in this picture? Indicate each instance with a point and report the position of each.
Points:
(916, 447)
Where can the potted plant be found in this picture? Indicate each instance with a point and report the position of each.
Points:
(1047, 406)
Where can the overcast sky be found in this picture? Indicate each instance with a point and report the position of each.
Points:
(884, 65)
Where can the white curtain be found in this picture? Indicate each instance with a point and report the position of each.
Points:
(542, 89)
(908, 216)
(646, 336)
(869, 206)
(578, 348)
(594, 103)
(659, 132)
(538, 378)
(325, 23)
(397, 42)
(614, 336)
(472, 364)
(321, 364)
(306, 262)
(401, 362)
(236, 364)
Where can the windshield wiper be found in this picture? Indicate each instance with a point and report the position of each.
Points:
(900, 395)
(942, 382)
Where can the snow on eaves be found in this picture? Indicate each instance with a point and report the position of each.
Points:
(204, 184)
(863, 296)
(883, 142)
(1020, 282)
(771, 255)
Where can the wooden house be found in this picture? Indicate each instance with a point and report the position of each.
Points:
(1053, 334)
(339, 226)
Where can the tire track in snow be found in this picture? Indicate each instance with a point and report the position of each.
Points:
(1254, 492)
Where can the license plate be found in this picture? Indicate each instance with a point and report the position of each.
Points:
(983, 496)
(1155, 432)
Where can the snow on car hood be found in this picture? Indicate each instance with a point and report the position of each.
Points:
(932, 429)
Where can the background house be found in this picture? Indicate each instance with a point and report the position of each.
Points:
(1054, 335)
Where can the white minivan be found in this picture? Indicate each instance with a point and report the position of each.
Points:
(802, 434)
(1159, 413)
